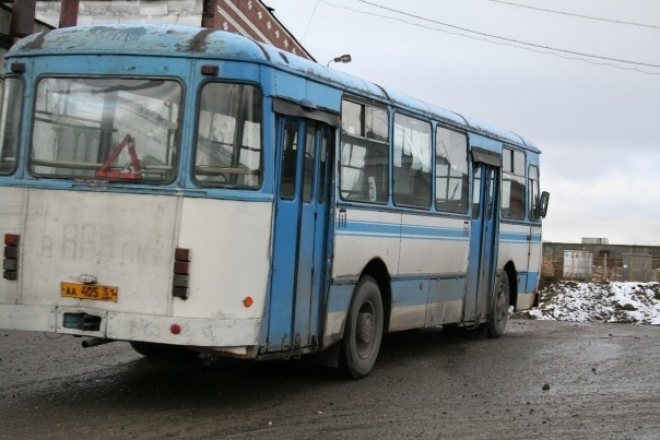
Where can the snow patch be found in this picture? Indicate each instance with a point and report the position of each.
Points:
(607, 302)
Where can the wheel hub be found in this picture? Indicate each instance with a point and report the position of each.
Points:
(502, 303)
(366, 327)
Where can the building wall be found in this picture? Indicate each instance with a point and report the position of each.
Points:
(614, 251)
(5, 39)
(608, 262)
(250, 18)
(184, 12)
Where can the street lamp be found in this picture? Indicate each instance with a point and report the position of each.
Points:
(346, 58)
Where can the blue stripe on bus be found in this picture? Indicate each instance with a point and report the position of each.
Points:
(532, 282)
(527, 282)
(392, 230)
(339, 297)
(432, 233)
(171, 190)
(519, 237)
(370, 228)
(405, 293)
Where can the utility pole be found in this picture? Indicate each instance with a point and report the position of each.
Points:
(68, 13)
(208, 14)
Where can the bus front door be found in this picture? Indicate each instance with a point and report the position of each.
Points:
(481, 270)
(300, 231)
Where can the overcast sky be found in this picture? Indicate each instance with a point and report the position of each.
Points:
(597, 125)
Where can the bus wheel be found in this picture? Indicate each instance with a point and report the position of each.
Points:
(163, 351)
(363, 330)
(499, 313)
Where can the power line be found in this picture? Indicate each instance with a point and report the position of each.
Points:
(502, 40)
(310, 19)
(588, 17)
(510, 40)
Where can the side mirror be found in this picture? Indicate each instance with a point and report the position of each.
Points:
(543, 204)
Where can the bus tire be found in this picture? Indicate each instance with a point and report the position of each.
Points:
(163, 351)
(363, 330)
(499, 313)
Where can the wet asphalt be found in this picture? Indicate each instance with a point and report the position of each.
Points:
(542, 379)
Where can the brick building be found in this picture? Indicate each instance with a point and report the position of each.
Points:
(255, 20)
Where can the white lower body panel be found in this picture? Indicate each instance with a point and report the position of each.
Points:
(525, 301)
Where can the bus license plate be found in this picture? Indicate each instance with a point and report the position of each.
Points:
(90, 291)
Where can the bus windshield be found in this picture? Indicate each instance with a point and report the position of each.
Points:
(106, 128)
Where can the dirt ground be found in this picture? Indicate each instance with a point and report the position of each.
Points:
(542, 379)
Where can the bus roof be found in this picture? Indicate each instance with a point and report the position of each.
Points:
(190, 41)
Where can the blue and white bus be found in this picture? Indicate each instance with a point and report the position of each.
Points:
(189, 190)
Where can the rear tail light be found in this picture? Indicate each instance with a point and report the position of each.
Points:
(181, 279)
(10, 262)
(12, 239)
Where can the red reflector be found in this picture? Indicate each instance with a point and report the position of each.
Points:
(175, 329)
(209, 69)
(180, 292)
(181, 267)
(248, 301)
(12, 239)
(11, 252)
(181, 254)
(18, 67)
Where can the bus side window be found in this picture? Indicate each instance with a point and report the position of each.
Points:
(451, 171)
(412, 162)
(513, 184)
(309, 163)
(12, 105)
(289, 157)
(534, 193)
(364, 172)
(325, 158)
(476, 192)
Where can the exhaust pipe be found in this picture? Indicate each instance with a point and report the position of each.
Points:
(95, 342)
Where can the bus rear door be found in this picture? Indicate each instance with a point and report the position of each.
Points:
(483, 252)
(300, 230)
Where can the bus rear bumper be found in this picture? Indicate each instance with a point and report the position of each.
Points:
(28, 318)
(131, 327)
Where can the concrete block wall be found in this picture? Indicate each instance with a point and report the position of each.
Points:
(250, 18)
(186, 12)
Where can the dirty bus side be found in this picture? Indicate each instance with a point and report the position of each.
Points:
(188, 190)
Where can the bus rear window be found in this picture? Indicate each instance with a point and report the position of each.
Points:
(12, 104)
(228, 151)
(106, 128)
